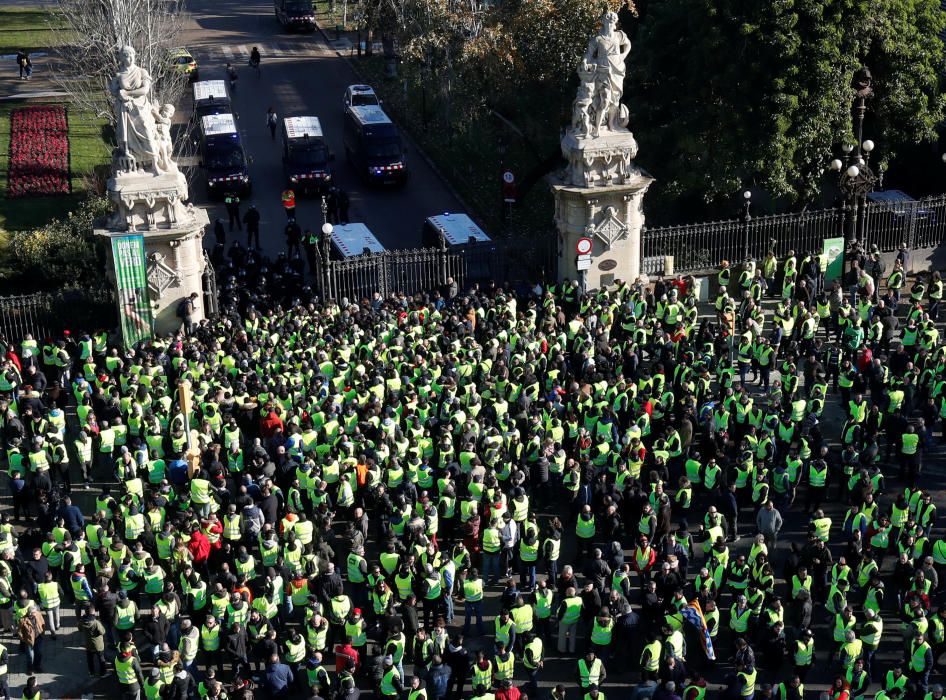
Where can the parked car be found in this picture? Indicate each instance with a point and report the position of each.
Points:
(184, 63)
(361, 96)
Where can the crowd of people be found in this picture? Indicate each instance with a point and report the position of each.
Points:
(302, 498)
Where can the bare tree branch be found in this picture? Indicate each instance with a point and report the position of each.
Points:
(90, 33)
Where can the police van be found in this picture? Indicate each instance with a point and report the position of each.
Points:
(210, 97)
(352, 240)
(456, 229)
(462, 235)
(373, 145)
(222, 156)
(305, 157)
(296, 15)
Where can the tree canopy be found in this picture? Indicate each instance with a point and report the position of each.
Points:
(726, 94)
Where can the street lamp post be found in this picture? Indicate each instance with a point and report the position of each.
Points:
(856, 179)
(746, 217)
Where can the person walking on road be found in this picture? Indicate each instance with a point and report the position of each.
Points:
(310, 242)
(272, 121)
(251, 219)
(293, 238)
(342, 204)
(331, 203)
(22, 60)
(93, 634)
(232, 203)
(30, 631)
(289, 203)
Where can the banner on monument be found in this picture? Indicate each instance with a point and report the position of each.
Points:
(833, 249)
(131, 280)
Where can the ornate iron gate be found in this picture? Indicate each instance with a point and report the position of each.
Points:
(389, 272)
(43, 315)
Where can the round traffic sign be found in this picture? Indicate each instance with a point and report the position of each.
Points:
(508, 177)
(583, 245)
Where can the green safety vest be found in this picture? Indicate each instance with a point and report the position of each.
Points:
(572, 610)
(589, 676)
(125, 670)
(48, 595)
(473, 590)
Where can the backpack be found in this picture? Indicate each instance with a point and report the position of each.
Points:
(182, 308)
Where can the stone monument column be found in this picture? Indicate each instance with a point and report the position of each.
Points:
(150, 195)
(600, 194)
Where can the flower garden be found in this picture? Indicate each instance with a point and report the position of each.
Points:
(39, 152)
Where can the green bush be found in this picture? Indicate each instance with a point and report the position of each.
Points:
(62, 254)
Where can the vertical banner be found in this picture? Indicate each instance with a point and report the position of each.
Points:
(833, 249)
(131, 280)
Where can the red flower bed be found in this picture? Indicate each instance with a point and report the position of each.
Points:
(39, 152)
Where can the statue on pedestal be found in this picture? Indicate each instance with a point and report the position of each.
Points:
(142, 144)
(601, 75)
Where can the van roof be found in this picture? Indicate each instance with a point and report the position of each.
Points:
(210, 89)
(458, 229)
(370, 114)
(300, 127)
(216, 124)
(352, 239)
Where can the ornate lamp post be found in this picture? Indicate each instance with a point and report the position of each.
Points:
(856, 178)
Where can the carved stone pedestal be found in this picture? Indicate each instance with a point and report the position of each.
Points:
(600, 195)
(154, 206)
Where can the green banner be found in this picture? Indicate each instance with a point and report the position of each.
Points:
(833, 249)
(131, 279)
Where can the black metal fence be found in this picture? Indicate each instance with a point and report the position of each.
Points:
(390, 272)
(45, 315)
(423, 269)
(917, 223)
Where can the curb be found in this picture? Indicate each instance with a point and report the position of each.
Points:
(410, 137)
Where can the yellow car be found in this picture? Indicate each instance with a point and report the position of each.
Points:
(184, 63)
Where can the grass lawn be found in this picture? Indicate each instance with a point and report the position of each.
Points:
(27, 28)
(87, 149)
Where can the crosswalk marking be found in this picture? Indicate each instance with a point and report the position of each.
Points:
(267, 51)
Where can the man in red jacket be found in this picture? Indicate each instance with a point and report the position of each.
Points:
(270, 422)
(199, 546)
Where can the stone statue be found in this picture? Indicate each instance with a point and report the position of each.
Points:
(581, 107)
(139, 138)
(163, 160)
(606, 52)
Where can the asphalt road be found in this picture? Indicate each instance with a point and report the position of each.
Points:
(301, 75)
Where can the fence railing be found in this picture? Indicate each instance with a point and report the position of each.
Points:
(918, 223)
(424, 269)
(45, 315)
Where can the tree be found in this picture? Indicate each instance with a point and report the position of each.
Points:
(727, 93)
(91, 33)
(62, 254)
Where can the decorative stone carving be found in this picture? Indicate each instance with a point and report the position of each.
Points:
(597, 145)
(610, 228)
(161, 276)
(142, 128)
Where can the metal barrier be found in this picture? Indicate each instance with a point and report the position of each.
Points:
(918, 224)
(418, 270)
(45, 315)
(389, 272)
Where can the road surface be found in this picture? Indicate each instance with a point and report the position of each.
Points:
(301, 75)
